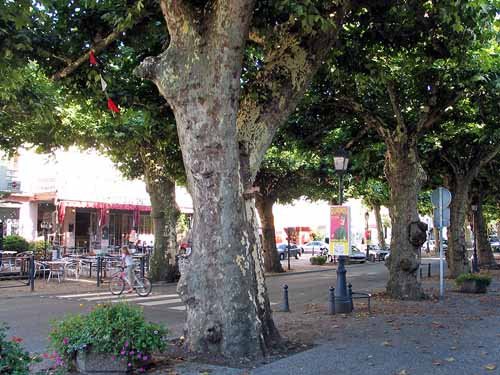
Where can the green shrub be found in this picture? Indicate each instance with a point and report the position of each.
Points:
(481, 279)
(318, 260)
(117, 329)
(14, 360)
(38, 248)
(15, 243)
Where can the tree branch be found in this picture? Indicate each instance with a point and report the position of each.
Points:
(453, 165)
(179, 18)
(435, 114)
(396, 108)
(292, 57)
(98, 47)
(371, 119)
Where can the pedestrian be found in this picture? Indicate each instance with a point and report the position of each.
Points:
(128, 264)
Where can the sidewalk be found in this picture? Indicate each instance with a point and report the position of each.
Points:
(460, 335)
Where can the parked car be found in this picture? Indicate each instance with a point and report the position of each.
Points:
(495, 244)
(376, 253)
(315, 247)
(283, 250)
(357, 256)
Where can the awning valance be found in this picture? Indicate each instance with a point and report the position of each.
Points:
(103, 207)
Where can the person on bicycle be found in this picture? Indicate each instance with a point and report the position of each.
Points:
(128, 264)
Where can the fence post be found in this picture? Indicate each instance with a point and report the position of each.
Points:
(420, 269)
(285, 307)
(429, 270)
(142, 266)
(331, 301)
(32, 272)
(99, 261)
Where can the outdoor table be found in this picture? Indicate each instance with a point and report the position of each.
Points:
(56, 266)
(9, 255)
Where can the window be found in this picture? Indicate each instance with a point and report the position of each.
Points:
(146, 224)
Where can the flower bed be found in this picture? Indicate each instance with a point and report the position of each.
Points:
(118, 332)
(14, 360)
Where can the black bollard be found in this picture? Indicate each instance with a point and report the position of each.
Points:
(331, 301)
(285, 307)
(32, 272)
(429, 270)
(349, 291)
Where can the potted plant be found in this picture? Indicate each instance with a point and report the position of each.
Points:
(318, 260)
(473, 282)
(112, 338)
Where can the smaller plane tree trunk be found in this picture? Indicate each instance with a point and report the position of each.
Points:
(271, 257)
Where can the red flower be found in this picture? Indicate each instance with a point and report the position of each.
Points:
(16, 339)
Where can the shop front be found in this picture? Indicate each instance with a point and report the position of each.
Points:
(90, 226)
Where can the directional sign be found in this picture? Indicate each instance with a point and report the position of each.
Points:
(437, 218)
(445, 197)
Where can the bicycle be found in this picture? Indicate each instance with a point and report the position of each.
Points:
(142, 285)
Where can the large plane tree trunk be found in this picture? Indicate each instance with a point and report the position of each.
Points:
(405, 176)
(164, 214)
(271, 257)
(199, 75)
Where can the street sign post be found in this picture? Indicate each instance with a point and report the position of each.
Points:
(441, 199)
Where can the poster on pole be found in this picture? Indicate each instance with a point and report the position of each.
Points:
(340, 230)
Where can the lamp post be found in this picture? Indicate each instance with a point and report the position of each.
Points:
(45, 225)
(342, 299)
(475, 263)
(367, 217)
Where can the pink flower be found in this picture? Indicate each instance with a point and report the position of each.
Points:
(139, 356)
(131, 352)
(141, 369)
(122, 352)
(16, 339)
(129, 364)
(145, 358)
(126, 344)
(65, 341)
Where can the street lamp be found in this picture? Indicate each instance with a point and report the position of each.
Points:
(46, 226)
(342, 299)
(475, 263)
(340, 161)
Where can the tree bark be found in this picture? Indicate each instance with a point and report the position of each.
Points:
(221, 284)
(271, 257)
(164, 213)
(380, 228)
(484, 251)
(457, 249)
(405, 176)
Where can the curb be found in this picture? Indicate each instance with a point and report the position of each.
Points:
(290, 273)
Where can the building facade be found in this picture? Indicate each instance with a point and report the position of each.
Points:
(78, 197)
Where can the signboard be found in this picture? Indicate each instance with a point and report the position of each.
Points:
(340, 230)
(441, 199)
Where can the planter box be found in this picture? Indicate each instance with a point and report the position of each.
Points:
(100, 364)
(472, 286)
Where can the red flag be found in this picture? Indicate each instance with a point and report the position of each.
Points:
(112, 106)
(92, 58)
